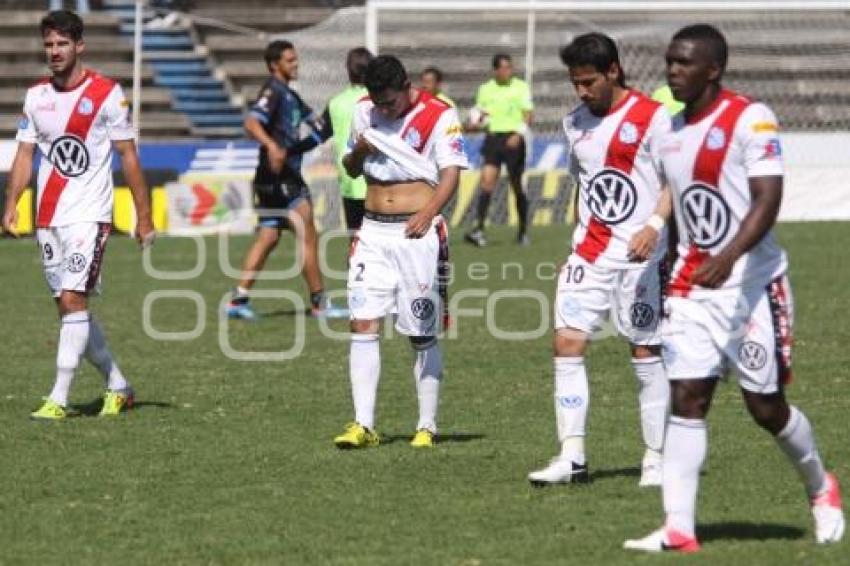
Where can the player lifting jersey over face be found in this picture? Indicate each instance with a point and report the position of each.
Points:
(410, 148)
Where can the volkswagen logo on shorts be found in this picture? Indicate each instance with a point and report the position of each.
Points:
(75, 263)
(752, 355)
(611, 196)
(642, 315)
(69, 156)
(422, 308)
(707, 215)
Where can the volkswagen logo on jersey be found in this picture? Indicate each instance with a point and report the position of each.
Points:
(86, 106)
(611, 196)
(628, 133)
(707, 215)
(642, 315)
(715, 139)
(422, 308)
(69, 156)
(752, 355)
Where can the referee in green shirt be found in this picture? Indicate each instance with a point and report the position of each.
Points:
(336, 122)
(505, 106)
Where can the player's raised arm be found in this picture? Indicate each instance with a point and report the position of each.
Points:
(19, 176)
(139, 189)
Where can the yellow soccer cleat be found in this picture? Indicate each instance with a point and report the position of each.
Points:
(116, 401)
(50, 411)
(423, 438)
(356, 436)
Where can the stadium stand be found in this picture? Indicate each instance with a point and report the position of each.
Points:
(22, 60)
(797, 62)
(203, 67)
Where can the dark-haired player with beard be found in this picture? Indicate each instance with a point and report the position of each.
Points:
(75, 117)
(615, 269)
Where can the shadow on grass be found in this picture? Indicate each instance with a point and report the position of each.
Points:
(283, 312)
(632, 472)
(441, 438)
(92, 408)
(739, 530)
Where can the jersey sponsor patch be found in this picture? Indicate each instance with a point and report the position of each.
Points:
(628, 133)
(611, 196)
(86, 106)
(707, 216)
(765, 127)
(716, 139)
(752, 355)
(458, 146)
(772, 149)
(413, 138)
(642, 315)
(75, 263)
(69, 155)
(422, 308)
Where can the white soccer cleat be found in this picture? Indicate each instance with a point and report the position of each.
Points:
(650, 469)
(828, 514)
(560, 470)
(664, 540)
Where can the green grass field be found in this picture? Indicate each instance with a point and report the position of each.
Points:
(231, 462)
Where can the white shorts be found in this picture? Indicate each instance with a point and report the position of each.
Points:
(72, 256)
(587, 294)
(391, 274)
(749, 332)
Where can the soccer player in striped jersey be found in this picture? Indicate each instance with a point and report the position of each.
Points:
(729, 303)
(75, 118)
(615, 268)
(409, 146)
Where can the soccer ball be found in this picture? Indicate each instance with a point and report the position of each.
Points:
(478, 117)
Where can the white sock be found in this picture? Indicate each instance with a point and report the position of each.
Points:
(654, 398)
(365, 370)
(572, 399)
(428, 373)
(97, 352)
(797, 440)
(73, 336)
(685, 446)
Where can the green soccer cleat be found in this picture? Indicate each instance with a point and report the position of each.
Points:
(357, 436)
(50, 411)
(114, 402)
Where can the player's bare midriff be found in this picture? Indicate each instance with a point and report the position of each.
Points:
(393, 197)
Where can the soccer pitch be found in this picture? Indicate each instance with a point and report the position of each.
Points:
(231, 462)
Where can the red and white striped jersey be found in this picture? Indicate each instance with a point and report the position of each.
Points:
(74, 130)
(431, 128)
(611, 158)
(708, 162)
